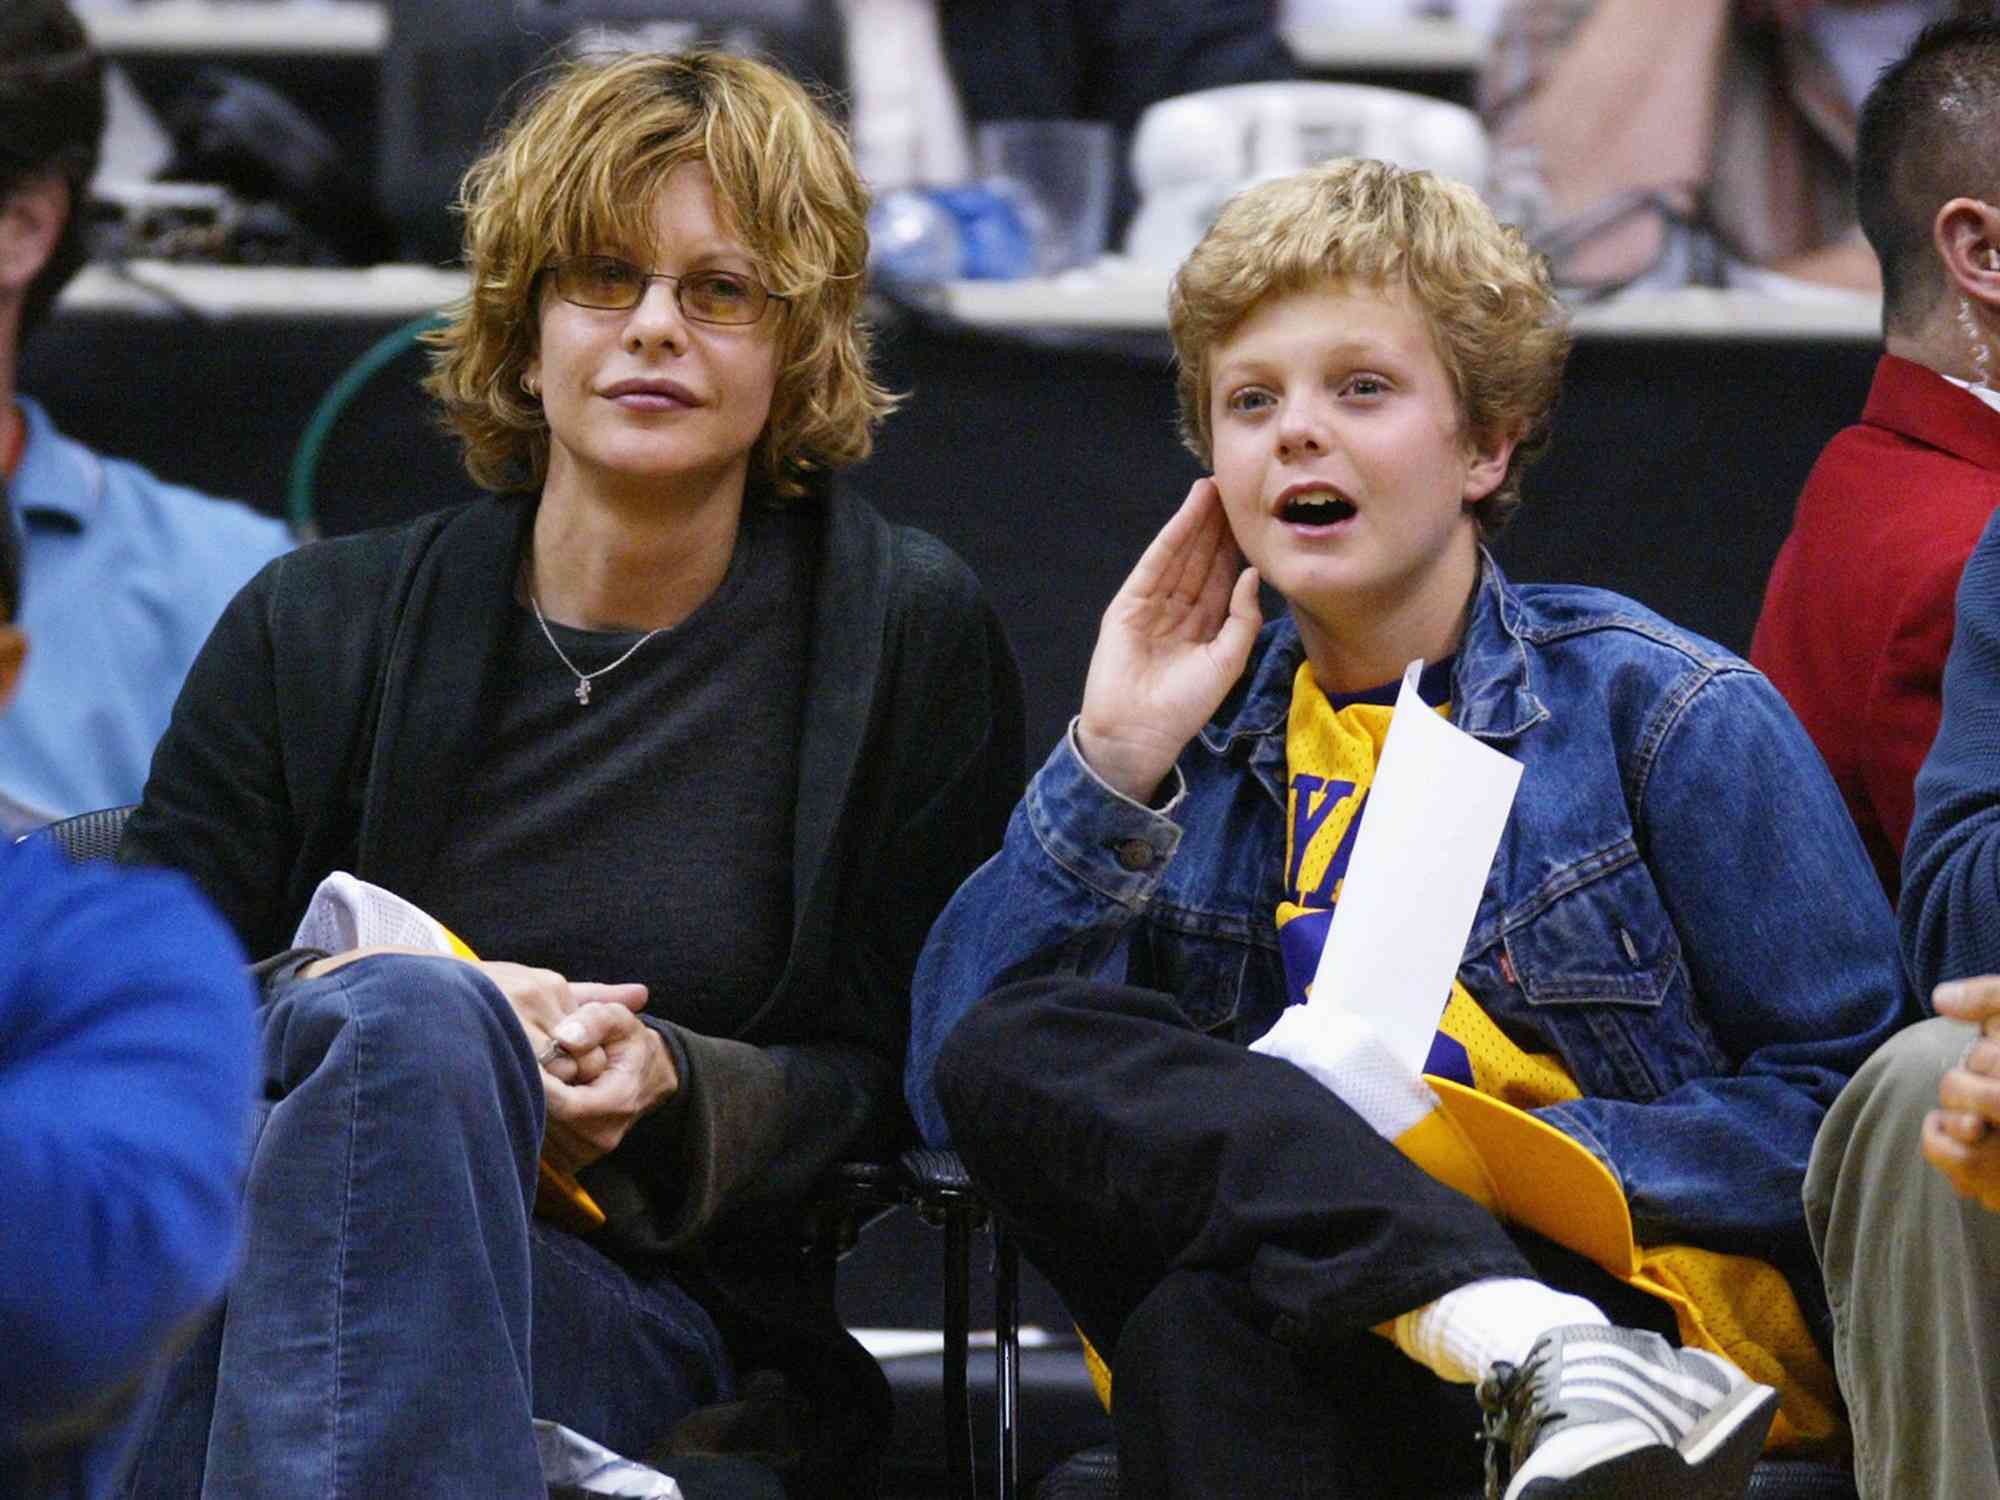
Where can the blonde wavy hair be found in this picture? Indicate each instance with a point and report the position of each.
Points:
(578, 170)
(1498, 328)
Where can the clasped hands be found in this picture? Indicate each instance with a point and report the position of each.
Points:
(1961, 1137)
(602, 1069)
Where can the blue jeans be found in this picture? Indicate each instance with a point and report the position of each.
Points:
(400, 1317)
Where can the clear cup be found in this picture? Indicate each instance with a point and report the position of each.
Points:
(1061, 171)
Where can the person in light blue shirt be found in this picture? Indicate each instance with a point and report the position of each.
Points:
(126, 576)
(127, 573)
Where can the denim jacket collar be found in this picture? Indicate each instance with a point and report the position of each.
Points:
(1492, 690)
(1492, 687)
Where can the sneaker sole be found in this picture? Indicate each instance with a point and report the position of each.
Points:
(1724, 1453)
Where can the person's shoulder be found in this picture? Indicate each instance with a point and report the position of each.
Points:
(915, 567)
(927, 568)
(158, 517)
(1875, 476)
(198, 521)
(1558, 617)
(365, 561)
(135, 908)
(1605, 656)
(17, 819)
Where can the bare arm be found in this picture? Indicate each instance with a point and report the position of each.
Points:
(1630, 103)
(1847, 262)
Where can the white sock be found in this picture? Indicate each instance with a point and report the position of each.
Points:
(1459, 1336)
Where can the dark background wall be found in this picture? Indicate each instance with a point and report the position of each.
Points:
(1046, 462)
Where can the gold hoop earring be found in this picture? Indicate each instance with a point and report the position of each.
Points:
(529, 385)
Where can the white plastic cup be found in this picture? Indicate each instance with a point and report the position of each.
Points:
(1063, 171)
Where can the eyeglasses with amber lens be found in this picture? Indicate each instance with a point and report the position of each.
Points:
(612, 285)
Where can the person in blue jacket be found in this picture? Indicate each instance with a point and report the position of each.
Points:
(1903, 1195)
(1679, 956)
(125, 1080)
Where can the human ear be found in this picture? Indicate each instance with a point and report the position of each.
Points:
(13, 652)
(1966, 235)
(31, 221)
(1486, 465)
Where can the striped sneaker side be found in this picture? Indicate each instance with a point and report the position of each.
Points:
(1596, 1413)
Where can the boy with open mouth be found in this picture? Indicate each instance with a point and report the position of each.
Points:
(1679, 954)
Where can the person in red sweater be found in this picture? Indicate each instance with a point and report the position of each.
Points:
(1857, 616)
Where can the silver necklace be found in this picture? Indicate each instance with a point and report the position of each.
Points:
(583, 678)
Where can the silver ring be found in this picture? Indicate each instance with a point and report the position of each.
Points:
(550, 1053)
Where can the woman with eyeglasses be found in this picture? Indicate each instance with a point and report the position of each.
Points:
(686, 744)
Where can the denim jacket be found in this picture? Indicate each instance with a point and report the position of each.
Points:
(1680, 907)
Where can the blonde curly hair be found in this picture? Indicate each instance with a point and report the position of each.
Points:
(1499, 330)
(580, 167)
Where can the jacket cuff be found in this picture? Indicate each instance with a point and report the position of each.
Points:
(1114, 845)
(675, 1168)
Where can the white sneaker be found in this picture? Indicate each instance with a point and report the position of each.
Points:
(1598, 1413)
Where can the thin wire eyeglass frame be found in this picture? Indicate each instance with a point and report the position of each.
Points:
(559, 272)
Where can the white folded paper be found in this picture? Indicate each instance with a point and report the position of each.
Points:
(1436, 810)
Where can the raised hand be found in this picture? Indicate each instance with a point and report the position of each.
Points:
(1172, 643)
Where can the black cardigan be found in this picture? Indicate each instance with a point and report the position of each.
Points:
(331, 716)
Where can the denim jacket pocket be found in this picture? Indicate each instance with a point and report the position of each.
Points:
(1203, 963)
(1599, 967)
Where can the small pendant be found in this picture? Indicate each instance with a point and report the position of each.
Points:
(583, 690)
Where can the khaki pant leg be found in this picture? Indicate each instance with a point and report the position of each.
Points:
(1913, 1275)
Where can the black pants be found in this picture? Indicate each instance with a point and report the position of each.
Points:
(1226, 1232)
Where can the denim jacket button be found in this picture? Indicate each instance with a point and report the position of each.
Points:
(1136, 854)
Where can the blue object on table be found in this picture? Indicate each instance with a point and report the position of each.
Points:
(980, 232)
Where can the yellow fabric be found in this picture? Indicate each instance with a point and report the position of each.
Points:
(1733, 1305)
(1482, 1140)
(1100, 1372)
(1337, 753)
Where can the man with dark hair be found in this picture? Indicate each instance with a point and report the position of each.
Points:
(129, 573)
(1853, 632)
(1859, 631)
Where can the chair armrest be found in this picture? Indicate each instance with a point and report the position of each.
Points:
(87, 836)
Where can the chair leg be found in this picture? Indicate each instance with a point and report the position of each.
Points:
(1007, 1358)
(957, 1320)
